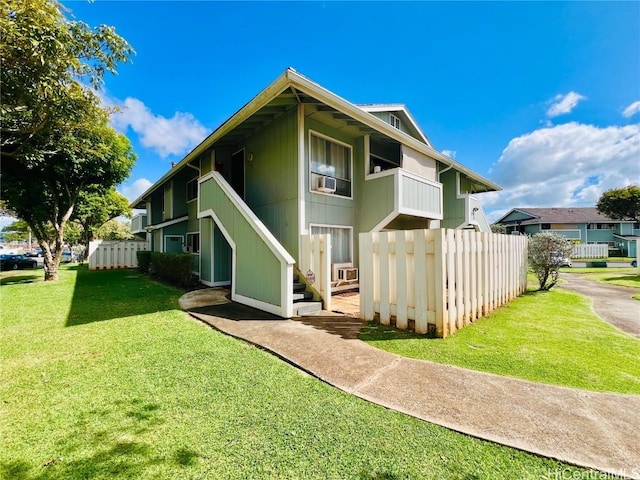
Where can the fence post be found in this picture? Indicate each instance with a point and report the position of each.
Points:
(437, 289)
(402, 316)
(423, 302)
(367, 277)
(384, 280)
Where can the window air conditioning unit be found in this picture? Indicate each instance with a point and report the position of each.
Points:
(326, 184)
(347, 274)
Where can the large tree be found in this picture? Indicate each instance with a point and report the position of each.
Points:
(56, 138)
(621, 203)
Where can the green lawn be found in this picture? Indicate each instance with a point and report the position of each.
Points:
(550, 337)
(102, 378)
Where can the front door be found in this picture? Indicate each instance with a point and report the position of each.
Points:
(237, 172)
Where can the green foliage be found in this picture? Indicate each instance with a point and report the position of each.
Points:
(46, 58)
(114, 230)
(56, 138)
(621, 203)
(107, 379)
(547, 252)
(144, 260)
(173, 267)
(95, 210)
(16, 231)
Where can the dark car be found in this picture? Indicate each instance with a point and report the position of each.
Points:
(36, 252)
(16, 262)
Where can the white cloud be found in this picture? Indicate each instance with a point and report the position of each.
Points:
(166, 136)
(135, 189)
(450, 153)
(562, 104)
(631, 109)
(567, 165)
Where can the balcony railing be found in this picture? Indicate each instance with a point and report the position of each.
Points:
(396, 192)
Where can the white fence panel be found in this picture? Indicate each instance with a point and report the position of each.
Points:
(315, 263)
(584, 250)
(105, 254)
(439, 280)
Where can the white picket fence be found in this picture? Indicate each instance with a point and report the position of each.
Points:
(315, 264)
(105, 254)
(584, 250)
(438, 280)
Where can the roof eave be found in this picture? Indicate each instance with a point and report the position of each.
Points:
(374, 122)
(291, 78)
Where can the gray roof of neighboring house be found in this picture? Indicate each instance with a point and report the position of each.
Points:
(559, 215)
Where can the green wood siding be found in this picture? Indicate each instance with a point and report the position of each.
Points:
(168, 203)
(222, 257)
(192, 210)
(377, 201)
(206, 249)
(257, 268)
(271, 179)
(453, 208)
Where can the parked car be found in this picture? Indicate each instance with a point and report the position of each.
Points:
(36, 252)
(16, 262)
(561, 260)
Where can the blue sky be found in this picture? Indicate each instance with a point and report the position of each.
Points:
(542, 98)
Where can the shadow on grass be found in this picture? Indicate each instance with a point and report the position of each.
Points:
(113, 452)
(16, 279)
(110, 294)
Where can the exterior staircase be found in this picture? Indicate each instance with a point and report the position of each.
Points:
(302, 299)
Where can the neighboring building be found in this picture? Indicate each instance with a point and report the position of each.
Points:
(299, 160)
(581, 225)
(139, 226)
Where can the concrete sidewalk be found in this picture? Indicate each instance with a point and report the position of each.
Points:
(612, 303)
(595, 430)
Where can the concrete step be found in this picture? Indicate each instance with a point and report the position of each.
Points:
(302, 308)
(302, 296)
(299, 287)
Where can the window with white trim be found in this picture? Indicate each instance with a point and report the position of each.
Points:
(341, 241)
(329, 160)
(193, 242)
(394, 121)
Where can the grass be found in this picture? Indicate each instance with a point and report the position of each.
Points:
(623, 277)
(103, 378)
(551, 337)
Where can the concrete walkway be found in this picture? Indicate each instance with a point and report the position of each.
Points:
(595, 430)
(612, 303)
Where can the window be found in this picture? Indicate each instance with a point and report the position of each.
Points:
(545, 226)
(329, 159)
(341, 241)
(193, 243)
(394, 121)
(192, 190)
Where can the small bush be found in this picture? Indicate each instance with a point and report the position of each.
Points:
(144, 260)
(547, 253)
(173, 267)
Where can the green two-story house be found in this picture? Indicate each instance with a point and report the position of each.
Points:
(299, 160)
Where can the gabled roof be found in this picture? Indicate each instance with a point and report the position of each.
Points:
(401, 112)
(558, 215)
(300, 86)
